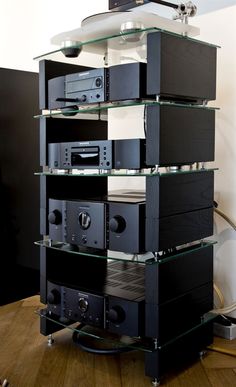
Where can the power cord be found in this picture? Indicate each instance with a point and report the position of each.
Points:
(78, 340)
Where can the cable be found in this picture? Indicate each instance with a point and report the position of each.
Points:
(219, 294)
(166, 3)
(225, 217)
(97, 351)
(226, 310)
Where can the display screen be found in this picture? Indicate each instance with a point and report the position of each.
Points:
(85, 157)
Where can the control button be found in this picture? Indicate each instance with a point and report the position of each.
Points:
(98, 82)
(116, 314)
(83, 98)
(98, 96)
(117, 224)
(83, 305)
(84, 239)
(105, 153)
(55, 217)
(108, 163)
(84, 220)
(104, 147)
(54, 297)
(104, 158)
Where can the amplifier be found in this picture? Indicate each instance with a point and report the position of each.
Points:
(104, 154)
(106, 224)
(122, 221)
(117, 307)
(120, 305)
(121, 82)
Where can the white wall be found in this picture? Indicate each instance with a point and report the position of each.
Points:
(219, 27)
(26, 27)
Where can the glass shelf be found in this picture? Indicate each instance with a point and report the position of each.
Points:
(100, 41)
(119, 342)
(148, 258)
(88, 109)
(120, 173)
(102, 336)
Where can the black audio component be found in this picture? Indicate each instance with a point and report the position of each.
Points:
(116, 307)
(78, 88)
(123, 5)
(101, 225)
(180, 68)
(121, 82)
(122, 306)
(182, 213)
(106, 154)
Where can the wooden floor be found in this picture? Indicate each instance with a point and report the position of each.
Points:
(27, 361)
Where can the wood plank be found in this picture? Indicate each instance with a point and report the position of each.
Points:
(221, 377)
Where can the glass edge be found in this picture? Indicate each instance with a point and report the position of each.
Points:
(147, 261)
(161, 174)
(101, 108)
(136, 346)
(118, 34)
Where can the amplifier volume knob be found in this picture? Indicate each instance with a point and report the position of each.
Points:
(84, 220)
(54, 297)
(116, 314)
(117, 224)
(55, 217)
(83, 98)
(83, 305)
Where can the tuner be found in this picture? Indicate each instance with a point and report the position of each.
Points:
(116, 314)
(84, 220)
(117, 224)
(54, 297)
(55, 217)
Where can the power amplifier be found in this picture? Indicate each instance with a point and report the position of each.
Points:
(117, 307)
(104, 154)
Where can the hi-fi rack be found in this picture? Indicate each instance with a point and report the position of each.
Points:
(128, 262)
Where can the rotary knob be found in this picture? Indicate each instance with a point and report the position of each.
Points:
(83, 98)
(98, 82)
(83, 305)
(54, 297)
(84, 220)
(116, 314)
(117, 224)
(55, 217)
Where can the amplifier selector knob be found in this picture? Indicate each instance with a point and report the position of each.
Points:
(83, 305)
(84, 220)
(84, 98)
(116, 314)
(98, 82)
(54, 297)
(117, 224)
(55, 217)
